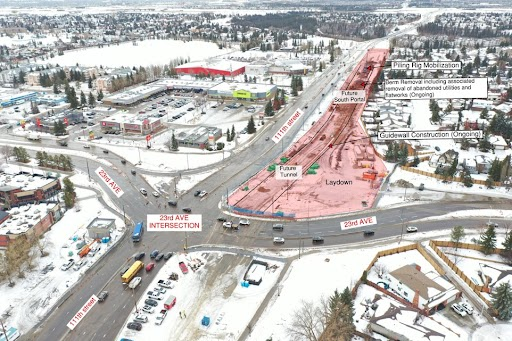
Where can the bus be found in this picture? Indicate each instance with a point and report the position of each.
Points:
(137, 232)
(132, 271)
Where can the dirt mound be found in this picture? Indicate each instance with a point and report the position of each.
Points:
(263, 189)
(403, 184)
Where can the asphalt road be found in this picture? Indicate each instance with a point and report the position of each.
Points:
(107, 318)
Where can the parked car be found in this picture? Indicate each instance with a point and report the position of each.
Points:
(278, 240)
(155, 194)
(457, 308)
(133, 172)
(155, 296)
(141, 318)
(148, 309)
(227, 224)
(490, 223)
(160, 290)
(412, 229)
(318, 240)
(466, 307)
(196, 193)
(139, 256)
(123, 161)
(245, 221)
(143, 191)
(168, 255)
(222, 219)
(202, 194)
(172, 203)
(160, 318)
(134, 326)
(368, 233)
(150, 267)
(183, 267)
(102, 296)
(105, 151)
(154, 254)
(151, 302)
(67, 265)
(421, 187)
(187, 209)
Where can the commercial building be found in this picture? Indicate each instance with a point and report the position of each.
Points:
(134, 95)
(100, 228)
(199, 137)
(23, 187)
(10, 97)
(27, 220)
(243, 91)
(130, 123)
(217, 67)
(185, 84)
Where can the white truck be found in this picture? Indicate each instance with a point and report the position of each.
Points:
(160, 318)
(34, 137)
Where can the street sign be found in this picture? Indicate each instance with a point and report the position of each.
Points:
(175, 222)
(359, 222)
(114, 187)
(82, 312)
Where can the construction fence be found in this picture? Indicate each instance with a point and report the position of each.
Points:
(477, 289)
(441, 177)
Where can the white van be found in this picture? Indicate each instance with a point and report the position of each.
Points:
(78, 265)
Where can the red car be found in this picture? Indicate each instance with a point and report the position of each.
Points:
(150, 267)
(183, 267)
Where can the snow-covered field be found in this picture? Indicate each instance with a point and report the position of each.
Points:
(60, 242)
(144, 53)
(219, 296)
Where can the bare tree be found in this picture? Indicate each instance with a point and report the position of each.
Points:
(6, 268)
(168, 144)
(17, 254)
(7, 151)
(306, 322)
(380, 269)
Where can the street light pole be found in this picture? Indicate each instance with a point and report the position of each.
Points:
(88, 171)
(140, 161)
(402, 219)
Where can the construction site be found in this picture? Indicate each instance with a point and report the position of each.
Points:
(341, 171)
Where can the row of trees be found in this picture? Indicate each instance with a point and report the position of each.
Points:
(230, 135)
(19, 153)
(61, 161)
(296, 85)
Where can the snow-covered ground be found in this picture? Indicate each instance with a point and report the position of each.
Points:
(219, 296)
(60, 242)
(128, 55)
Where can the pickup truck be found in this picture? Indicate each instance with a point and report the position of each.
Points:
(183, 267)
(166, 283)
(160, 318)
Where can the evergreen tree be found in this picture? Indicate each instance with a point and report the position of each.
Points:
(488, 240)
(174, 142)
(89, 83)
(245, 78)
(39, 158)
(294, 86)
(457, 235)
(409, 120)
(228, 135)
(92, 100)
(83, 99)
(233, 134)
(55, 88)
(268, 109)
(100, 95)
(69, 193)
(464, 144)
(467, 180)
(507, 245)
(251, 127)
(495, 170)
(502, 301)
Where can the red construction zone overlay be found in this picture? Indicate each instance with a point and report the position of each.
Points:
(340, 169)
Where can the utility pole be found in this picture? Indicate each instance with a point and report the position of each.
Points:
(135, 300)
(140, 161)
(88, 171)
(402, 219)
